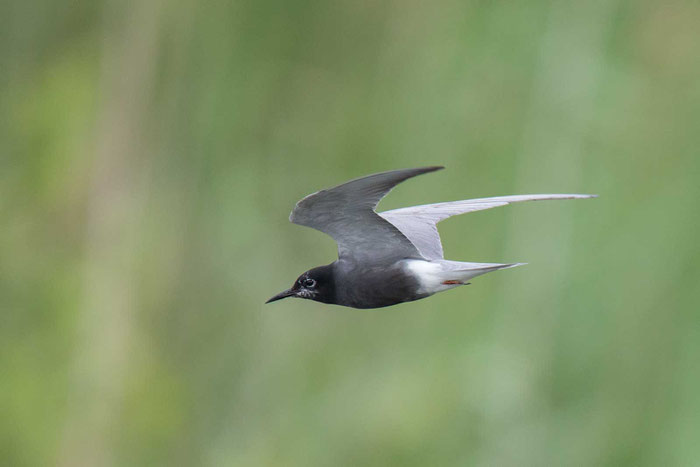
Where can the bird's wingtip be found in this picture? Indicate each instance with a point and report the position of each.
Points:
(431, 168)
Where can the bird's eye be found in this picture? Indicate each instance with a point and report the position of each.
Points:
(309, 283)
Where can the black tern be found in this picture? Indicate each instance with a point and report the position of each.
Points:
(389, 257)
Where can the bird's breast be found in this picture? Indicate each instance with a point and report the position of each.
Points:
(376, 286)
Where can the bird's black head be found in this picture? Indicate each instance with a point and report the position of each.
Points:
(315, 284)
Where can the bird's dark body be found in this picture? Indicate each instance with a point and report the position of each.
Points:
(348, 283)
(373, 286)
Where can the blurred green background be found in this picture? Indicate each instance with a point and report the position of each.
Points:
(150, 153)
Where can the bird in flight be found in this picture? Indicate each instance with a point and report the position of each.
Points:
(391, 257)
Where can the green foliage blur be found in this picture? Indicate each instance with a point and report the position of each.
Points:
(150, 153)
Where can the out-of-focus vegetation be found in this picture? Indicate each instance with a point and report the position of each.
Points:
(151, 151)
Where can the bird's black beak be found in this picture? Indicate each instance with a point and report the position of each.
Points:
(281, 295)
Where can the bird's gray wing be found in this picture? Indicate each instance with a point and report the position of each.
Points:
(419, 223)
(346, 213)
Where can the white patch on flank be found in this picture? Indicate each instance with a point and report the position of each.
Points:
(430, 276)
